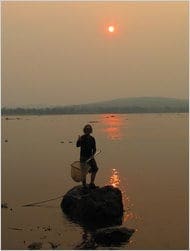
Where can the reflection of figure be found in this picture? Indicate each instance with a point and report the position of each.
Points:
(87, 144)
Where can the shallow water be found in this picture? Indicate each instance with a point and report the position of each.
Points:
(145, 155)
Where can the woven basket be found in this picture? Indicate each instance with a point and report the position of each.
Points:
(78, 170)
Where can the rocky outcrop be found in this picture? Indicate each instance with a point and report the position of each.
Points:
(112, 235)
(35, 245)
(105, 237)
(99, 207)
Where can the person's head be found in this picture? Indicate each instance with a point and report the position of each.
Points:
(87, 129)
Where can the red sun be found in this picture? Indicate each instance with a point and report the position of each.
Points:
(111, 28)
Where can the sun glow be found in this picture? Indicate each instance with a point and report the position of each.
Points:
(112, 125)
(111, 28)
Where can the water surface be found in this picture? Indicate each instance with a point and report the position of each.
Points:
(145, 155)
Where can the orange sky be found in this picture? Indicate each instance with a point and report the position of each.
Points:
(61, 53)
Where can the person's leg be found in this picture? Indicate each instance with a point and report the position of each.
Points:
(83, 173)
(93, 176)
(84, 181)
(93, 172)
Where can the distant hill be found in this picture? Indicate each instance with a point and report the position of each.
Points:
(124, 105)
(141, 102)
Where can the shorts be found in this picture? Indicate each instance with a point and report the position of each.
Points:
(93, 165)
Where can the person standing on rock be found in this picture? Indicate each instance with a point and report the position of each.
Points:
(87, 146)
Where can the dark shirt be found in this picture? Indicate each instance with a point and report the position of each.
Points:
(87, 146)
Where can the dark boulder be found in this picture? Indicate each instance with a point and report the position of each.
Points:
(105, 237)
(35, 245)
(97, 207)
(112, 235)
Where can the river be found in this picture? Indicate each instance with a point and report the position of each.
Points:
(145, 155)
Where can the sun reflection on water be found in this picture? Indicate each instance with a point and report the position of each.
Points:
(112, 126)
(115, 181)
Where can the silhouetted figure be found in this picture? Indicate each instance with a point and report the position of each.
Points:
(87, 146)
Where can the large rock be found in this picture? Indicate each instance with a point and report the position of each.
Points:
(98, 207)
(105, 237)
(112, 235)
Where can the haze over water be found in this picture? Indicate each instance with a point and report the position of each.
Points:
(145, 155)
(60, 53)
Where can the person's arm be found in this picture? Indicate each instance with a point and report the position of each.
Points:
(94, 147)
(78, 144)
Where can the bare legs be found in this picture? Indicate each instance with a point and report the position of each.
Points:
(92, 179)
(93, 176)
(83, 177)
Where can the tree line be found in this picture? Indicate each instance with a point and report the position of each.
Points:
(77, 109)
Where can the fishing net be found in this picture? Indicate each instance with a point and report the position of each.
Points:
(79, 170)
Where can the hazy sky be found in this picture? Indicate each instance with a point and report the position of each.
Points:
(61, 53)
